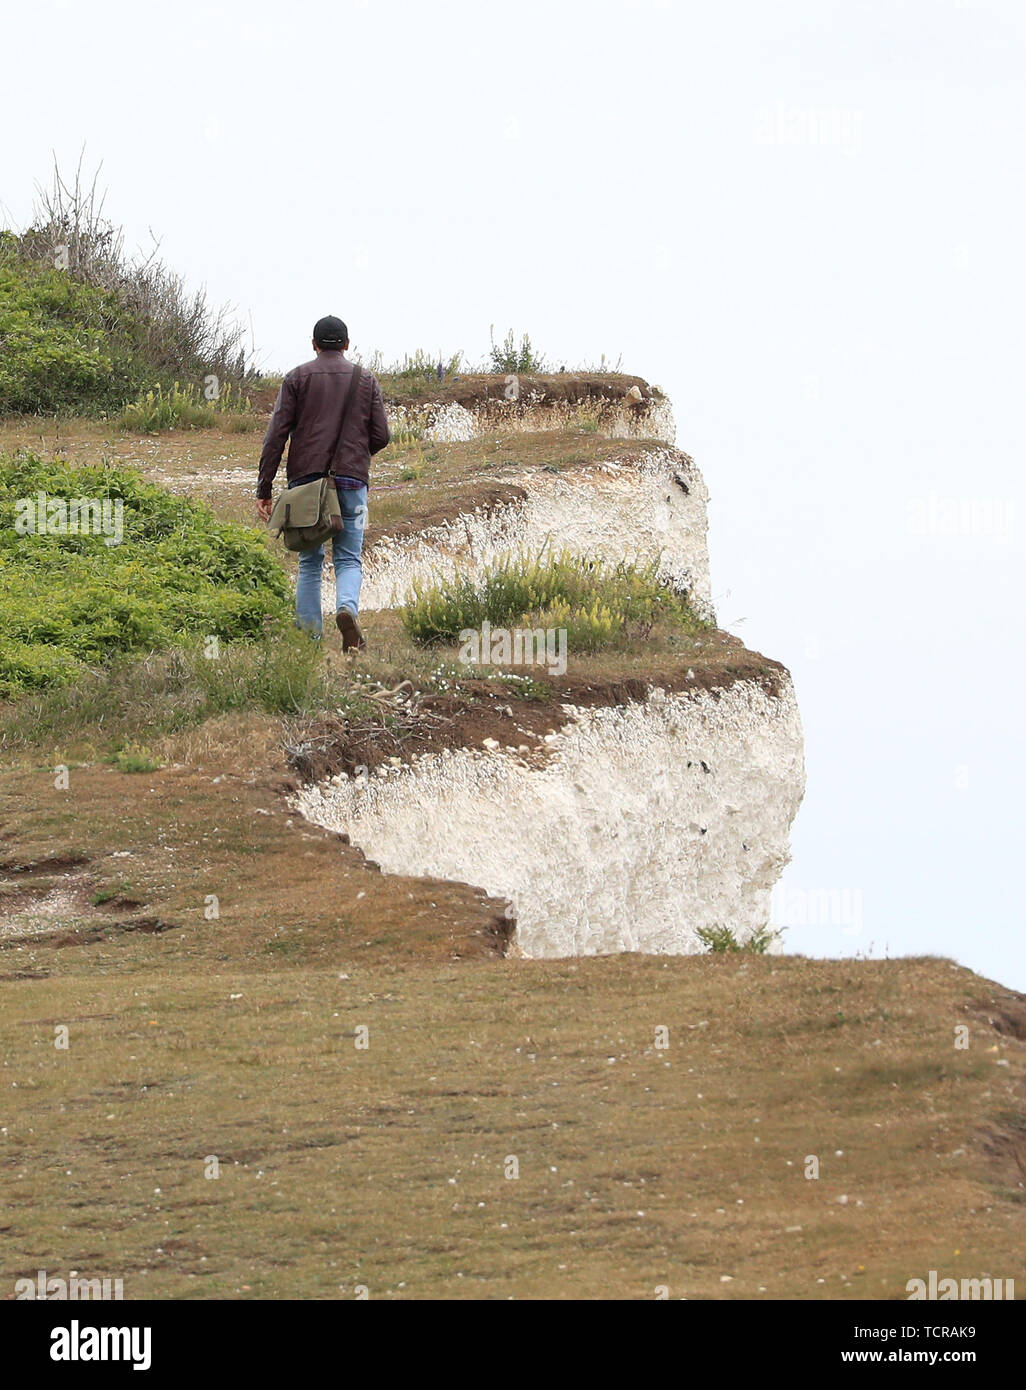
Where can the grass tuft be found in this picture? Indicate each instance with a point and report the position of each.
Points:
(601, 605)
(186, 407)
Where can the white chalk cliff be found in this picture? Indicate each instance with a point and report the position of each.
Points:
(646, 822)
(638, 824)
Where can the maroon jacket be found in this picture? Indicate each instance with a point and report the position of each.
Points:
(309, 408)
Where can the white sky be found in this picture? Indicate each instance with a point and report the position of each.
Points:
(804, 220)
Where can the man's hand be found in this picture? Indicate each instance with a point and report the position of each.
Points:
(264, 508)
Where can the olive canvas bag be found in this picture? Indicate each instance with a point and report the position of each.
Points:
(308, 515)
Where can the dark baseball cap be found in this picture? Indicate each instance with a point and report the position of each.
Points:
(330, 332)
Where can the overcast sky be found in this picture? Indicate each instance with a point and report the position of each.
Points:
(804, 220)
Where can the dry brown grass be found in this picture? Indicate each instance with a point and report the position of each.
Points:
(638, 1166)
(387, 1166)
(239, 739)
(235, 1037)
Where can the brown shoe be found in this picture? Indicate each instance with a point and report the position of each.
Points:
(352, 637)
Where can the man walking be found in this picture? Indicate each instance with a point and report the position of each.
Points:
(309, 409)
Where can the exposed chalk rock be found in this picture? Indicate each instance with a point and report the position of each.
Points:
(644, 823)
(451, 423)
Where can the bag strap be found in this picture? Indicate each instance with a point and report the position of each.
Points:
(329, 472)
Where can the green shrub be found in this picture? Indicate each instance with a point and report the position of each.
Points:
(83, 328)
(59, 348)
(722, 941)
(600, 604)
(69, 602)
(186, 407)
(136, 760)
(508, 358)
(158, 410)
(419, 364)
(84, 325)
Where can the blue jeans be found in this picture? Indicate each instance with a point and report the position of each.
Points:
(346, 549)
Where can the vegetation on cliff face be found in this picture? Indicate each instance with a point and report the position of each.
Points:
(598, 605)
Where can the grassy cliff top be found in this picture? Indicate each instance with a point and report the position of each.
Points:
(416, 484)
(216, 960)
(471, 389)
